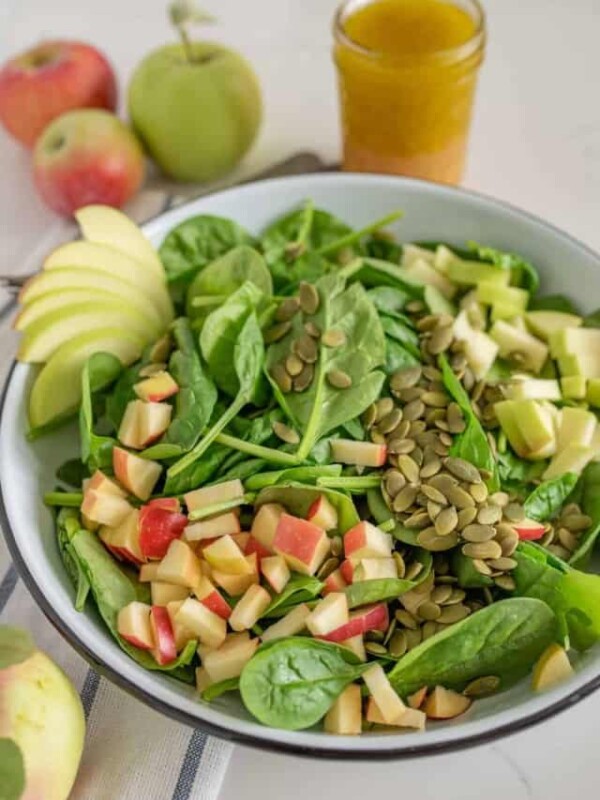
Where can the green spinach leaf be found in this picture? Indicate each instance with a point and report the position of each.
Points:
(553, 302)
(220, 688)
(383, 516)
(468, 577)
(73, 472)
(590, 505)
(378, 590)
(67, 526)
(308, 475)
(592, 320)
(547, 499)
(523, 273)
(99, 371)
(12, 770)
(299, 589)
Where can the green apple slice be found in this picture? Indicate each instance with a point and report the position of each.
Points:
(57, 388)
(512, 340)
(573, 387)
(101, 257)
(63, 299)
(577, 426)
(492, 294)
(536, 426)
(573, 458)
(106, 225)
(533, 389)
(545, 323)
(506, 414)
(421, 271)
(592, 393)
(44, 336)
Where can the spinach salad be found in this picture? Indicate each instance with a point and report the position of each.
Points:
(354, 481)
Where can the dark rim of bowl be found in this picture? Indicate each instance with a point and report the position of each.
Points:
(413, 751)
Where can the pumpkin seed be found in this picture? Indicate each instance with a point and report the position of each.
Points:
(465, 517)
(414, 410)
(390, 631)
(431, 493)
(499, 499)
(281, 377)
(506, 582)
(443, 482)
(383, 407)
(433, 509)
(377, 437)
(576, 522)
(375, 636)
(428, 630)
(489, 515)
(394, 482)
(462, 469)
(560, 551)
(400, 565)
(429, 611)
(312, 329)
(304, 380)
(420, 519)
(334, 337)
(441, 339)
(441, 425)
(401, 446)
(285, 433)
(375, 649)
(477, 532)
(398, 644)
(457, 596)
(434, 414)
(288, 308)
(309, 298)
(328, 566)
(417, 427)
(571, 508)
(391, 421)
(369, 416)
(489, 549)
(446, 521)
(409, 469)
(306, 348)
(482, 687)
(514, 512)
(567, 539)
(415, 306)
(417, 457)
(479, 492)
(336, 545)
(438, 400)
(429, 540)
(452, 614)
(503, 563)
(508, 544)
(405, 618)
(459, 498)
(294, 365)
(404, 499)
(413, 638)
(413, 571)
(488, 596)
(341, 380)
(277, 332)
(427, 323)
(430, 467)
(441, 594)
(455, 419)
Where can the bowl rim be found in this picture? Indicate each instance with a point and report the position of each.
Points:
(273, 744)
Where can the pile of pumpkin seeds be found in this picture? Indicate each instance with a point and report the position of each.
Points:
(563, 535)
(296, 371)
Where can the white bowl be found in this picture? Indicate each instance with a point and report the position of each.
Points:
(27, 470)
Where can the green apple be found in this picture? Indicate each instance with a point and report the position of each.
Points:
(506, 414)
(533, 389)
(577, 426)
(592, 394)
(56, 391)
(470, 273)
(491, 294)
(536, 426)
(422, 272)
(573, 458)
(573, 387)
(512, 340)
(52, 301)
(545, 323)
(196, 105)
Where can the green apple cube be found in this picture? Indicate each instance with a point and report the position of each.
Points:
(592, 394)
(512, 340)
(422, 272)
(573, 387)
(504, 311)
(412, 253)
(506, 414)
(573, 458)
(533, 389)
(545, 323)
(471, 273)
(577, 426)
(575, 341)
(586, 365)
(491, 294)
(52, 301)
(536, 425)
(481, 352)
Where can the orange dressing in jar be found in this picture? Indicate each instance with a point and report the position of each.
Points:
(407, 73)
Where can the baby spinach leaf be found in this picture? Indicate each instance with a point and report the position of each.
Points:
(515, 470)
(299, 589)
(523, 273)
(305, 228)
(590, 505)
(321, 408)
(67, 525)
(194, 402)
(552, 302)
(73, 472)
(592, 320)
(378, 590)
(99, 371)
(384, 248)
(354, 238)
(12, 770)
(382, 516)
(298, 498)
(375, 272)
(468, 577)
(294, 682)
(472, 445)
(16, 646)
(390, 300)
(547, 498)
(397, 357)
(194, 243)
(307, 474)
(402, 332)
(220, 688)
(503, 639)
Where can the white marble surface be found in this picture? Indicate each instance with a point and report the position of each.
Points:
(536, 143)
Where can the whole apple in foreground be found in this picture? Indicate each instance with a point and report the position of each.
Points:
(196, 106)
(42, 726)
(87, 157)
(41, 84)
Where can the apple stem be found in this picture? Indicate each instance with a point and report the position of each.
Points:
(182, 14)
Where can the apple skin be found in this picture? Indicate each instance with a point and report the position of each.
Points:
(84, 157)
(54, 77)
(197, 120)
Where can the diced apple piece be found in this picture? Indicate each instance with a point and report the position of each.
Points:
(347, 568)
(334, 582)
(445, 704)
(533, 389)
(157, 387)
(180, 632)
(303, 545)
(211, 495)
(345, 715)
(592, 392)
(294, 622)
(367, 541)
(133, 625)
(529, 529)
(165, 649)
(265, 524)
(210, 628)
(575, 341)
(164, 593)
(380, 689)
(158, 528)
(154, 419)
(369, 618)
(374, 568)
(422, 272)
(545, 323)
(129, 429)
(276, 571)
(505, 412)
(584, 363)
(148, 572)
(235, 585)
(577, 427)
(125, 537)
(202, 679)
(511, 340)
(574, 458)
(230, 659)
(470, 273)
(412, 253)
(249, 608)
(490, 294)
(225, 556)
(328, 615)
(323, 513)
(363, 454)
(357, 645)
(241, 539)
(410, 718)
(180, 566)
(90, 526)
(254, 546)
(536, 425)
(166, 504)
(416, 699)
(481, 351)
(210, 597)
(228, 523)
(105, 508)
(99, 482)
(552, 667)
(137, 475)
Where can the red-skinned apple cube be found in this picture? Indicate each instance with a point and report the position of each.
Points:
(294, 622)
(210, 628)
(409, 718)
(138, 475)
(254, 546)
(235, 585)
(357, 645)
(329, 615)
(529, 529)
(158, 528)
(334, 582)
(99, 482)
(361, 454)
(276, 571)
(181, 633)
(228, 523)
(158, 387)
(249, 608)
(210, 597)
(164, 593)
(148, 572)
(345, 715)
(265, 524)
(166, 503)
(125, 537)
(133, 625)
(241, 539)
(225, 556)
(180, 566)
(106, 536)
(212, 495)
(382, 692)
(230, 659)
(366, 541)
(165, 649)
(104, 508)
(303, 545)
(154, 419)
(323, 513)
(129, 429)
(371, 569)
(347, 568)
(370, 618)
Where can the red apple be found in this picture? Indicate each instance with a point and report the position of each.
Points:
(366, 541)
(330, 614)
(249, 608)
(100, 483)
(86, 157)
(237, 584)
(213, 495)
(166, 503)
(156, 388)
(105, 508)
(179, 566)
(210, 597)
(164, 593)
(363, 454)
(225, 555)
(137, 475)
(303, 545)
(124, 538)
(133, 625)
(227, 523)
(254, 546)
(276, 571)
(323, 513)
(369, 618)
(529, 529)
(347, 568)
(56, 76)
(229, 660)
(210, 628)
(158, 528)
(334, 582)
(371, 569)
(165, 649)
(265, 524)
(154, 419)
